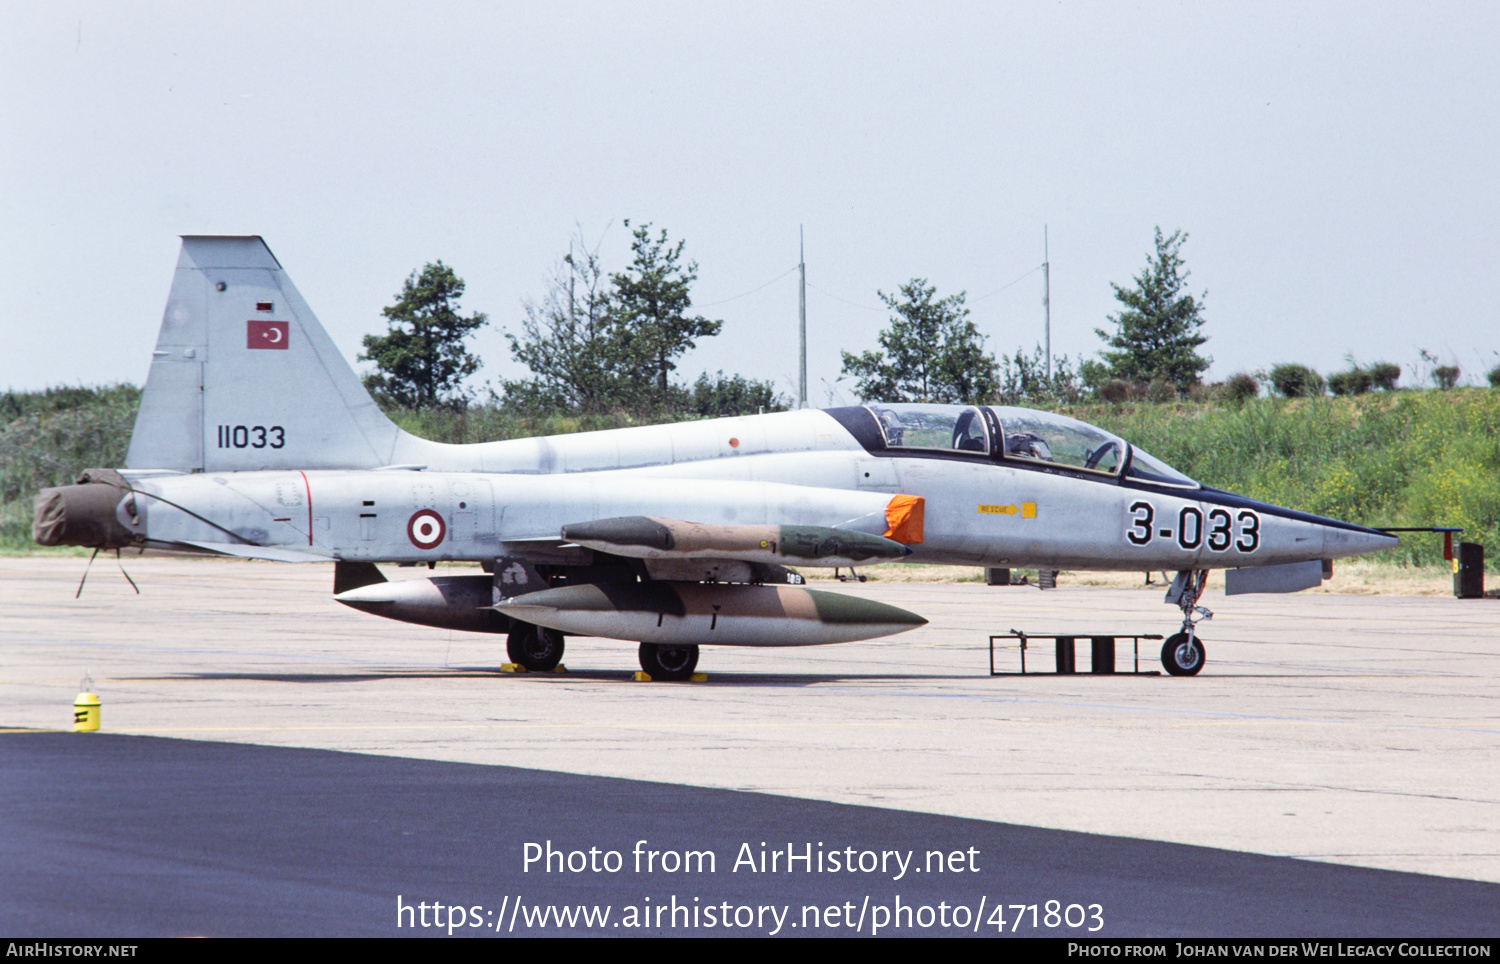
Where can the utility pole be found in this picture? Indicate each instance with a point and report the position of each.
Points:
(1047, 302)
(572, 273)
(802, 319)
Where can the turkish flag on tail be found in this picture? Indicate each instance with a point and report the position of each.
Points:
(267, 334)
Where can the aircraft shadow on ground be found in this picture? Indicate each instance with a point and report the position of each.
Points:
(721, 679)
(591, 676)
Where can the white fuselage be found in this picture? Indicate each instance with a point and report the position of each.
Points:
(454, 502)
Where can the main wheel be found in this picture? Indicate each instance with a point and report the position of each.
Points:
(537, 648)
(669, 662)
(1183, 655)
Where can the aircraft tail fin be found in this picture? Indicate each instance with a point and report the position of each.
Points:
(244, 377)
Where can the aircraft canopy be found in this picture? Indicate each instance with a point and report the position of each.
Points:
(1004, 431)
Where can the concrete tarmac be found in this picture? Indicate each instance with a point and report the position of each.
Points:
(110, 835)
(1354, 730)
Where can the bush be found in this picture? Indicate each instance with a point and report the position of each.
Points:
(712, 397)
(48, 437)
(1356, 381)
(1296, 381)
(1116, 391)
(1494, 377)
(1446, 376)
(1161, 390)
(1385, 375)
(1239, 387)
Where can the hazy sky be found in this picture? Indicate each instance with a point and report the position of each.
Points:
(1334, 165)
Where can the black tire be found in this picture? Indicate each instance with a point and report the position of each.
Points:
(1180, 658)
(669, 662)
(537, 648)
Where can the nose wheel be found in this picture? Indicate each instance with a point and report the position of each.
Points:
(1182, 654)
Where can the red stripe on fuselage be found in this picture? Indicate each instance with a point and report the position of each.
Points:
(308, 486)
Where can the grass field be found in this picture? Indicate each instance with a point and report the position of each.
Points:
(1403, 458)
(1410, 458)
(46, 438)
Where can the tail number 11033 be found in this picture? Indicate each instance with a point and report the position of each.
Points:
(251, 436)
(1220, 529)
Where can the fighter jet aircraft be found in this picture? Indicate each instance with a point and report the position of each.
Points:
(256, 439)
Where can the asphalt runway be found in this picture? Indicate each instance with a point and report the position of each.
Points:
(1330, 741)
(113, 835)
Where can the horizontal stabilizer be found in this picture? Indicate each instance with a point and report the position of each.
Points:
(269, 553)
(653, 537)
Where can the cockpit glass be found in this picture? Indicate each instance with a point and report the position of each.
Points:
(1025, 434)
(1149, 469)
(950, 427)
(1065, 441)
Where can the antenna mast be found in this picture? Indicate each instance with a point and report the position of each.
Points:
(802, 319)
(1047, 301)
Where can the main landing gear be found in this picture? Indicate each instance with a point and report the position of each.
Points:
(537, 648)
(540, 649)
(1182, 654)
(663, 662)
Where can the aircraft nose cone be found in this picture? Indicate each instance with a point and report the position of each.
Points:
(1356, 542)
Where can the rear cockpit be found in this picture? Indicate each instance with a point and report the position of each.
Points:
(1001, 433)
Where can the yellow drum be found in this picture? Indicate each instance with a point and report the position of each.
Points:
(86, 713)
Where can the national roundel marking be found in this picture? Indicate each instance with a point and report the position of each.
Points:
(426, 529)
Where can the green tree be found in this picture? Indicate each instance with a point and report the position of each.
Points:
(568, 342)
(931, 352)
(1157, 330)
(649, 318)
(421, 361)
(720, 395)
(1023, 380)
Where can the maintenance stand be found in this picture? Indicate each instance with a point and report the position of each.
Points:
(1102, 653)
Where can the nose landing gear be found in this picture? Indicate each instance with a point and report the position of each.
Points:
(1182, 654)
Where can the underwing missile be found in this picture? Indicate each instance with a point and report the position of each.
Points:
(690, 614)
(653, 537)
(450, 602)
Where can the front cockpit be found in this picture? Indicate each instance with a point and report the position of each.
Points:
(1002, 433)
